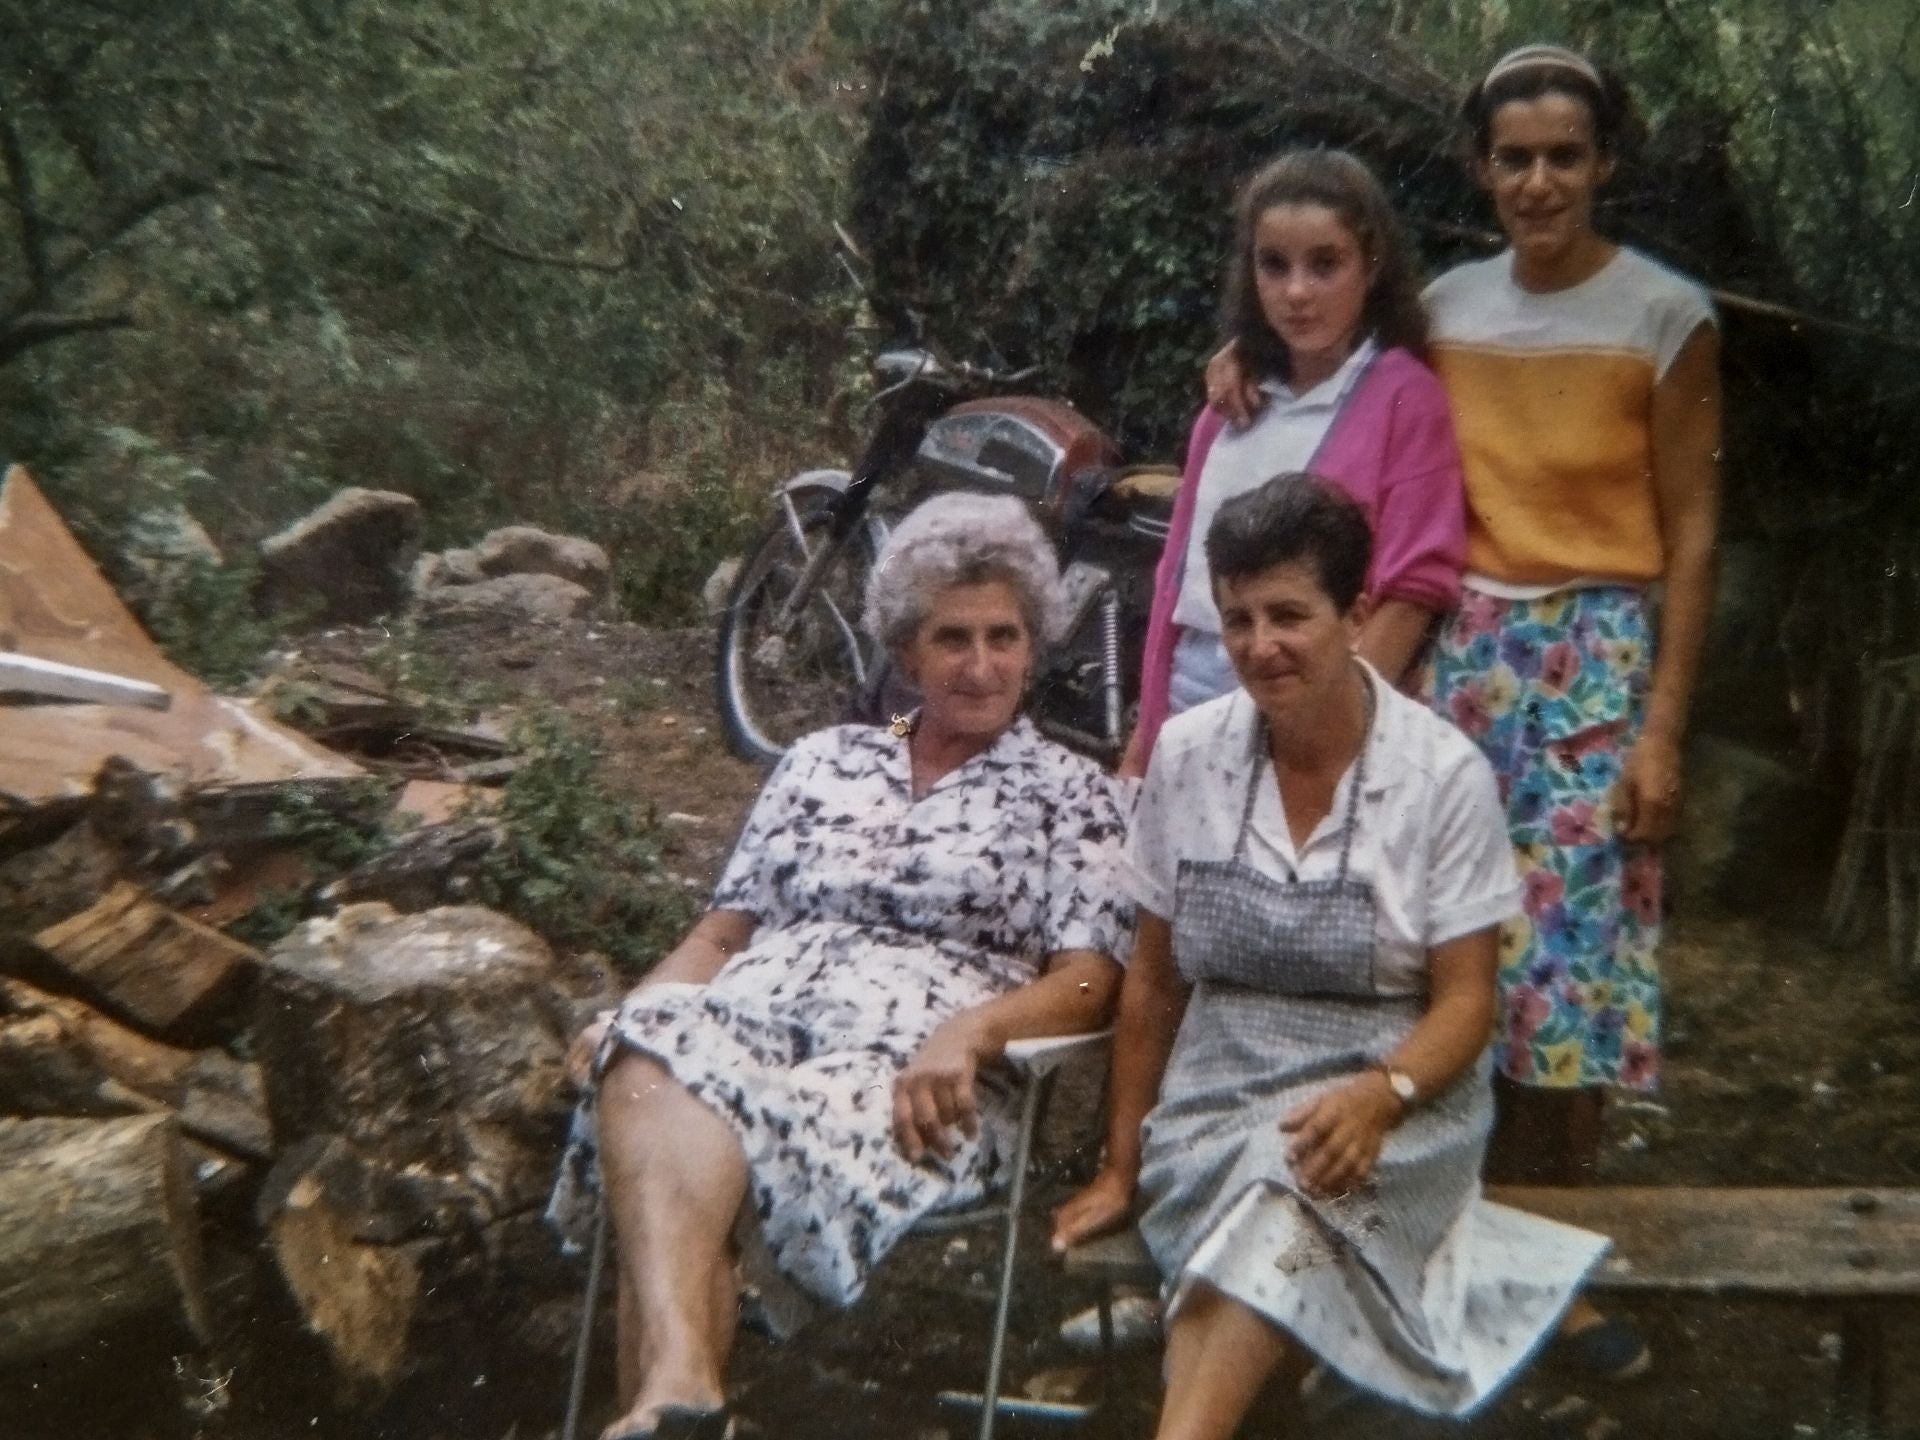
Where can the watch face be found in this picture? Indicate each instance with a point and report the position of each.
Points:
(1402, 1084)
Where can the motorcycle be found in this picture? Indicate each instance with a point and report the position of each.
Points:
(791, 656)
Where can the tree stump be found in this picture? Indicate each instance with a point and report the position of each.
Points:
(437, 1040)
(97, 1226)
(415, 1076)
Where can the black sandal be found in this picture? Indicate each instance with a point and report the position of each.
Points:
(1610, 1350)
(683, 1422)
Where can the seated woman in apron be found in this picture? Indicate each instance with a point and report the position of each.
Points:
(1300, 1093)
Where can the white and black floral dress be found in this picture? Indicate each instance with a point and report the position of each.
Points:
(877, 917)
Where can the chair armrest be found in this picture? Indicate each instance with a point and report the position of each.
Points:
(1044, 1054)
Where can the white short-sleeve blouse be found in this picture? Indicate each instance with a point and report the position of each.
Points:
(1432, 835)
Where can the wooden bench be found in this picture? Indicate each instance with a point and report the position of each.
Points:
(1856, 1249)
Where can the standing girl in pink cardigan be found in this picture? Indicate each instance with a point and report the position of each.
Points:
(1321, 297)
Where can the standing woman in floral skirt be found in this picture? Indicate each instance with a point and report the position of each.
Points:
(1585, 388)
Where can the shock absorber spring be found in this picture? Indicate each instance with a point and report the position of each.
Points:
(1110, 660)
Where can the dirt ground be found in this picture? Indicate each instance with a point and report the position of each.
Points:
(1790, 1063)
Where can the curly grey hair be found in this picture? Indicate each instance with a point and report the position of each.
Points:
(960, 538)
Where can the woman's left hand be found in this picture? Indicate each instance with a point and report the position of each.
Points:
(1337, 1135)
(933, 1096)
(1647, 799)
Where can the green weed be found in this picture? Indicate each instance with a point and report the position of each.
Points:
(576, 862)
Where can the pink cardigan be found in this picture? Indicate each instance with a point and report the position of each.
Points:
(1392, 449)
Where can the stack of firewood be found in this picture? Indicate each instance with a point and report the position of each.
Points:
(372, 1105)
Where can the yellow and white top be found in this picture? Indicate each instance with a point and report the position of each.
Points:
(1552, 399)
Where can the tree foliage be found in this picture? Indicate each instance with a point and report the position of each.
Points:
(504, 257)
(1053, 183)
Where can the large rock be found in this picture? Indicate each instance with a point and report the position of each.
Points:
(524, 550)
(1743, 689)
(1754, 832)
(349, 560)
(440, 568)
(514, 599)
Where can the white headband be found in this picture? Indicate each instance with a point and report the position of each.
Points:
(1528, 56)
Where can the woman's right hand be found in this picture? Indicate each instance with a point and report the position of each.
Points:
(1230, 389)
(1105, 1205)
(585, 1046)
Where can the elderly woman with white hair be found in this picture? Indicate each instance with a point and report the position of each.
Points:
(811, 1071)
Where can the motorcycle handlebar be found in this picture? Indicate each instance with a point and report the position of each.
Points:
(903, 367)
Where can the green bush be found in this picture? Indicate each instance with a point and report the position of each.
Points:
(575, 862)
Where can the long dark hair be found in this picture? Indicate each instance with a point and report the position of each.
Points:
(1333, 178)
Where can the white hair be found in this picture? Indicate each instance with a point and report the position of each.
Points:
(961, 538)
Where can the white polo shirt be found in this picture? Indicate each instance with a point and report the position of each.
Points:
(1284, 437)
(1432, 835)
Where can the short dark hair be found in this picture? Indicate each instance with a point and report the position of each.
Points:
(1616, 123)
(1290, 518)
(1392, 314)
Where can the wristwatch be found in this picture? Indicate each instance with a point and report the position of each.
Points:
(1402, 1085)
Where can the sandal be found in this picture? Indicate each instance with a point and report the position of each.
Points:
(1610, 1350)
(683, 1422)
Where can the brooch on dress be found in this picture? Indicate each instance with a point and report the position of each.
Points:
(901, 726)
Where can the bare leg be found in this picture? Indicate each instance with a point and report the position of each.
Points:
(675, 1177)
(1219, 1356)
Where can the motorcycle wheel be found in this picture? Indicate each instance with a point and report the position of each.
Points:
(772, 688)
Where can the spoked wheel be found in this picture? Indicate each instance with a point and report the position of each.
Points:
(780, 677)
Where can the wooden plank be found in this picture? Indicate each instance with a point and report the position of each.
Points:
(1826, 1243)
(1830, 1244)
(144, 961)
(50, 680)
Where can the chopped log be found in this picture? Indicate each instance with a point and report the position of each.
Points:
(358, 1294)
(49, 882)
(146, 962)
(45, 1070)
(61, 1057)
(97, 1226)
(135, 1061)
(225, 1103)
(424, 867)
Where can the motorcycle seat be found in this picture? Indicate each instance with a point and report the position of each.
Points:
(1147, 482)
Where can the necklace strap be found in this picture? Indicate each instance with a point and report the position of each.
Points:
(1263, 750)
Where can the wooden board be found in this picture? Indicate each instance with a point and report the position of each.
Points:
(57, 606)
(50, 680)
(1803, 1243)
(1833, 1244)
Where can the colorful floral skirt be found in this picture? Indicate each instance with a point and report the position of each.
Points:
(1553, 691)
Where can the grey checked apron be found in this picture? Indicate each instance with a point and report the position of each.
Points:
(1285, 1005)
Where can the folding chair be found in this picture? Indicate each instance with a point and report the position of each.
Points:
(1034, 1064)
